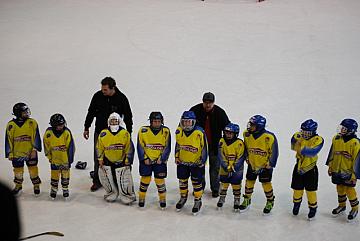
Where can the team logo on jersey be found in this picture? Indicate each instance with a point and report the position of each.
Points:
(156, 146)
(143, 130)
(102, 134)
(177, 132)
(31, 123)
(10, 127)
(59, 148)
(345, 154)
(189, 148)
(48, 135)
(22, 138)
(257, 151)
(115, 147)
(231, 157)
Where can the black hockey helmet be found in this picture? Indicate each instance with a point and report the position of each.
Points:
(57, 120)
(19, 108)
(156, 115)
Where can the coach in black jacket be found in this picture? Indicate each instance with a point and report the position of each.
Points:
(213, 120)
(104, 102)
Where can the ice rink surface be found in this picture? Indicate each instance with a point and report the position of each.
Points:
(287, 60)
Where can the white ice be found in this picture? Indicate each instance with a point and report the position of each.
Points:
(288, 60)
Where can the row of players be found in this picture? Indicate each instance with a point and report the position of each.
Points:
(259, 150)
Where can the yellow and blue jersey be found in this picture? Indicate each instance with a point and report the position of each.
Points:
(115, 147)
(59, 149)
(21, 138)
(154, 144)
(261, 148)
(307, 151)
(191, 148)
(231, 155)
(344, 158)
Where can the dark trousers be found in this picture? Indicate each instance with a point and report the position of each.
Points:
(214, 167)
(96, 162)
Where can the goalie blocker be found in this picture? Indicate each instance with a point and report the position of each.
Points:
(117, 182)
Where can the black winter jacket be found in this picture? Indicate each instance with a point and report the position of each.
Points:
(102, 106)
(218, 121)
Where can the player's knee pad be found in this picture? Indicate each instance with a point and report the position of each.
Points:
(125, 184)
(107, 181)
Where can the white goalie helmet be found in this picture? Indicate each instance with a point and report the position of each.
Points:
(114, 122)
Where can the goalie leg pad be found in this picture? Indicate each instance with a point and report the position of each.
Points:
(125, 184)
(107, 181)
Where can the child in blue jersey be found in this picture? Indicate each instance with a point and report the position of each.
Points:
(59, 148)
(22, 142)
(231, 156)
(153, 148)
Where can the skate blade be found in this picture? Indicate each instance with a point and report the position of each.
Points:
(311, 219)
(351, 220)
(266, 214)
(219, 208)
(236, 210)
(162, 209)
(18, 194)
(195, 214)
(178, 210)
(244, 210)
(339, 214)
(66, 199)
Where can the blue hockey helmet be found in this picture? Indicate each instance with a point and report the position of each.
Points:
(231, 127)
(184, 123)
(256, 121)
(308, 128)
(348, 127)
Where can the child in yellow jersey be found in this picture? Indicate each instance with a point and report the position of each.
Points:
(153, 148)
(22, 142)
(190, 158)
(344, 166)
(231, 156)
(262, 153)
(59, 148)
(307, 144)
(115, 150)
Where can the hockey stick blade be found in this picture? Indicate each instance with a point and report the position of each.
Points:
(45, 233)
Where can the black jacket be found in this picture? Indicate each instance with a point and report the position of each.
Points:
(102, 106)
(218, 121)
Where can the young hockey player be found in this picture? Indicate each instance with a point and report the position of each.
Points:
(153, 148)
(262, 152)
(231, 156)
(22, 142)
(115, 152)
(344, 167)
(59, 148)
(307, 144)
(190, 158)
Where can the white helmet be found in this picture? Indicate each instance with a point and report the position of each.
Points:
(114, 122)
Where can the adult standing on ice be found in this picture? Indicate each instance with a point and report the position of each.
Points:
(104, 102)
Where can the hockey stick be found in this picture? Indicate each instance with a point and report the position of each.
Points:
(44, 233)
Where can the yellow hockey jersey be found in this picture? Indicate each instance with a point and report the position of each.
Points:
(59, 150)
(261, 148)
(231, 156)
(115, 147)
(21, 139)
(191, 149)
(152, 146)
(306, 151)
(344, 158)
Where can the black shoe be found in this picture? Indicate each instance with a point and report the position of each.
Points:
(352, 215)
(338, 210)
(94, 187)
(180, 204)
(36, 190)
(296, 208)
(197, 207)
(312, 213)
(215, 194)
(162, 204)
(65, 193)
(141, 203)
(16, 191)
(52, 194)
